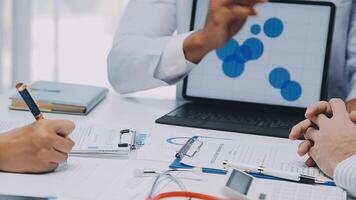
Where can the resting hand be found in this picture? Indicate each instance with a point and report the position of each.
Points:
(225, 19)
(300, 129)
(36, 148)
(335, 139)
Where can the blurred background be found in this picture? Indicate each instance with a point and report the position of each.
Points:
(56, 40)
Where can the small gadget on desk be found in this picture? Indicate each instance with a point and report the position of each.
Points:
(242, 186)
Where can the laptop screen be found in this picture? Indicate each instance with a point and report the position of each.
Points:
(278, 58)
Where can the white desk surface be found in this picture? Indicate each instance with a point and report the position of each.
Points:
(140, 111)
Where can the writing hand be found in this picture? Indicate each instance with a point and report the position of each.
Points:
(36, 148)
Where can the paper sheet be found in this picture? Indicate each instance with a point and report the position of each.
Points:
(90, 138)
(276, 156)
(80, 179)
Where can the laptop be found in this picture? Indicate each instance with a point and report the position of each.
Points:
(264, 78)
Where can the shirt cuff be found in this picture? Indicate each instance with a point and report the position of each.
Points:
(345, 175)
(173, 65)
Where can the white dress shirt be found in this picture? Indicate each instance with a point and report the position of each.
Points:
(345, 175)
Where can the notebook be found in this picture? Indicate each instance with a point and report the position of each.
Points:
(60, 97)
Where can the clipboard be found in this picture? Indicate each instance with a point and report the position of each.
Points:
(193, 146)
(190, 148)
(129, 141)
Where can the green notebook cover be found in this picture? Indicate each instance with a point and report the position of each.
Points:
(66, 94)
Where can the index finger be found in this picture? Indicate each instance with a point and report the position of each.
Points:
(62, 127)
(322, 107)
(300, 129)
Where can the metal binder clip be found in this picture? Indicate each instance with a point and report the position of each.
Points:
(132, 143)
(187, 148)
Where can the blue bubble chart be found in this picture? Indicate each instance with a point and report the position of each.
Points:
(230, 48)
(279, 77)
(255, 29)
(233, 68)
(273, 27)
(291, 91)
(252, 48)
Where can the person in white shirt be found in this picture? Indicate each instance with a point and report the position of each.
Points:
(147, 54)
(153, 47)
(149, 50)
(330, 133)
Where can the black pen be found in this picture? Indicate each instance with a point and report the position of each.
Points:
(30, 102)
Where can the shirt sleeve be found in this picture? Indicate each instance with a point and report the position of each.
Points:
(351, 54)
(146, 53)
(345, 175)
(173, 65)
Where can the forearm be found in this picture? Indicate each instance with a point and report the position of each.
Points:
(345, 175)
(133, 61)
(196, 46)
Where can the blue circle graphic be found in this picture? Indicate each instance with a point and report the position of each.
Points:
(255, 29)
(291, 91)
(255, 47)
(279, 77)
(230, 48)
(246, 52)
(273, 27)
(233, 68)
(178, 140)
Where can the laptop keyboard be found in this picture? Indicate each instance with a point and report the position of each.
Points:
(260, 120)
(275, 123)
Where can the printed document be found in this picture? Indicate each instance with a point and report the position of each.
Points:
(274, 156)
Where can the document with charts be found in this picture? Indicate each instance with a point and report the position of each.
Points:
(274, 156)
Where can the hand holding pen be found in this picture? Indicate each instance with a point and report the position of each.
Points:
(38, 147)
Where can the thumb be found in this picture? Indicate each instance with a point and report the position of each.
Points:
(353, 116)
(62, 127)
